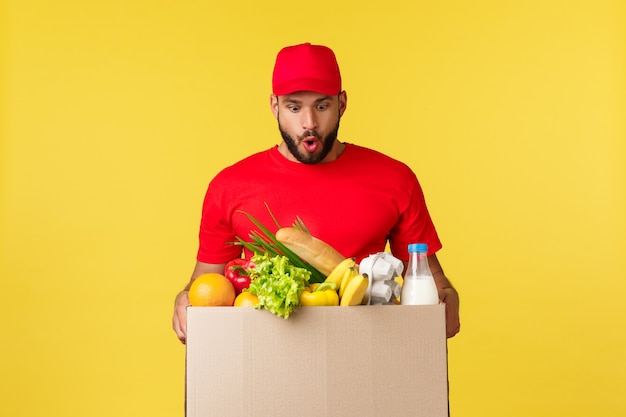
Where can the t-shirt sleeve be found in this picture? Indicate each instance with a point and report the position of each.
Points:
(414, 225)
(216, 234)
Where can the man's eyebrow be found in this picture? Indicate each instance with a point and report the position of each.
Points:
(324, 98)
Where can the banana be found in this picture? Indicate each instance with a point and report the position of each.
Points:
(337, 274)
(355, 290)
(347, 276)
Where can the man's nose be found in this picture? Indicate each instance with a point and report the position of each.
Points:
(309, 121)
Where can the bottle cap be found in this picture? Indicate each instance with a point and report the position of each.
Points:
(418, 247)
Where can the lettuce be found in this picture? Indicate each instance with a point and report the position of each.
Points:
(278, 283)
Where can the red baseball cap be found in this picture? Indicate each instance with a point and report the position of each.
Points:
(306, 67)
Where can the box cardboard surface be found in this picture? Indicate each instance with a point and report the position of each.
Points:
(360, 361)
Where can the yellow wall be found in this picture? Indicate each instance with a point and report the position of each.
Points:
(116, 114)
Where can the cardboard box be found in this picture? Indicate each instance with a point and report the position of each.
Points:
(364, 361)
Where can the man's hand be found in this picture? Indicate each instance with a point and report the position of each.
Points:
(447, 294)
(179, 321)
(451, 298)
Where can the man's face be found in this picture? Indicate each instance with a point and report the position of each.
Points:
(309, 123)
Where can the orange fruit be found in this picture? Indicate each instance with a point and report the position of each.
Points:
(211, 290)
(246, 299)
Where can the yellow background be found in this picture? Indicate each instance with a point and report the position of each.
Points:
(116, 114)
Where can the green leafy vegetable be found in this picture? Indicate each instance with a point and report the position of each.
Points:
(278, 283)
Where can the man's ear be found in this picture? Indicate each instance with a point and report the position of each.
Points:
(343, 102)
(274, 105)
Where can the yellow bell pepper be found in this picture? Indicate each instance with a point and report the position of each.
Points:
(324, 294)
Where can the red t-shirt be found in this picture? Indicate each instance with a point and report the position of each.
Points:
(354, 203)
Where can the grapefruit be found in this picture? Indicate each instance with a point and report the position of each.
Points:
(211, 289)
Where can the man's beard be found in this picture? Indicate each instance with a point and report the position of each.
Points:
(307, 158)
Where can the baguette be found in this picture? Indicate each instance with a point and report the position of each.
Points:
(310, 249)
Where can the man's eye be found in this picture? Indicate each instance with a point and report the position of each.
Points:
(293, 108)
(322, 106)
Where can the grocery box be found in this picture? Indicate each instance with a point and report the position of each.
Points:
(365, 361)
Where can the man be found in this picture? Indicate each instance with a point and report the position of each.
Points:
(351, 197)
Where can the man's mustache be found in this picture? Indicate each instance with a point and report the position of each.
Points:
(309, 133)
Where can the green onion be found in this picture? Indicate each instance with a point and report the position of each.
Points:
(265, 242)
